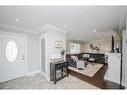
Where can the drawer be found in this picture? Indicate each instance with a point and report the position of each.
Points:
(61, 65)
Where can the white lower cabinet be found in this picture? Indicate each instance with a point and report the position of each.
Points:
(113, 71)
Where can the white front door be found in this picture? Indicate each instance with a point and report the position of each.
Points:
(12, 57)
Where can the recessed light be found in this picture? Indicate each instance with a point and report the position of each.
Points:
(94, 30)
(16, 19)
(85, 16)
(65, 25)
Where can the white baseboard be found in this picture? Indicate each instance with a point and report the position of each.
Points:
(27, 74)
(32, 73)
(1, 81)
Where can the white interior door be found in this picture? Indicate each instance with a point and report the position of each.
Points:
(12, 57)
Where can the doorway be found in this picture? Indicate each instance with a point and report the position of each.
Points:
(43, 55)
(12, 57)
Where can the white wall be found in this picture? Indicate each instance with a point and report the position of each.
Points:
(124, 56)
(125, 60)
(103, 44)
(32, 48)
(33, 52)
(53, 35)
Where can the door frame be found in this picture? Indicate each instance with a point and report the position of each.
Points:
(43, 36)
(25, 39)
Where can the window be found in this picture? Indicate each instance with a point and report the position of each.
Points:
(74, 48)
(11, 51)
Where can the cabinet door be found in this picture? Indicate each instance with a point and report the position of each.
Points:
(114, 68)
(124, 60)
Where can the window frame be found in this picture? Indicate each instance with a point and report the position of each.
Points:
(76, 47)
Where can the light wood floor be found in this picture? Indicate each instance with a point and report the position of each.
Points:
(38, 81)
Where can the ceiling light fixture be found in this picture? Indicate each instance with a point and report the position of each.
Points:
(16, 19)
(85, 16)
(65, 25)
(94, 30)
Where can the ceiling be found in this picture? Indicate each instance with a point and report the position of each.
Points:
(78, 21)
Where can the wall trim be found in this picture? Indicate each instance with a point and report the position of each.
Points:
(45, 27)
(32, 73)
(48, 26)
(43, 36)
(17, 28)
